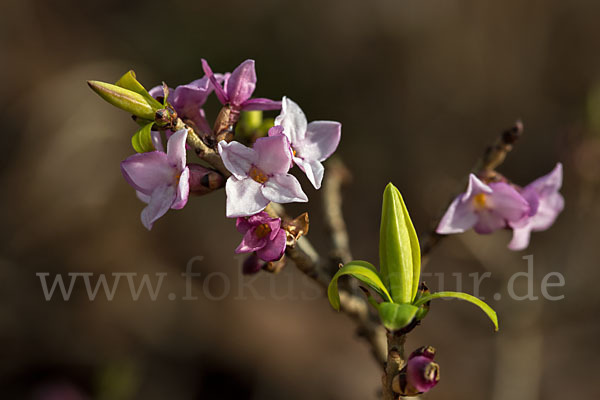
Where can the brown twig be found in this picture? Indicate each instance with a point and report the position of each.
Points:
(337, 176)
(393, 366)
(493, 156)
(201, 149)
(308, 261)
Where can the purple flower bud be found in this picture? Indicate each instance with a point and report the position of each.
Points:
(422, 373)
(252, 264)
(425, 351)
(204, 180)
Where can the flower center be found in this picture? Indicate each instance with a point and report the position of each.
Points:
(294, 152)
(256, 174)
(262, 230)
(480, 201)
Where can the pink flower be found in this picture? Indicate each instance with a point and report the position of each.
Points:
(263, 235)
(485, 208)
(311, 143)
(546, 204)
(238, 88)
(162, 179)
(260, 175)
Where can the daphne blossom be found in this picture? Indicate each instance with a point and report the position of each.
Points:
(263, 235)
(260, 175)
(545, 202)
(311, 143)
(162, 179)
(238, 88)
(484, 207)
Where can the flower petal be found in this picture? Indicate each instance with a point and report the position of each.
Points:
(157, 140)
(183, 190)
(187, 99)
(261, 104)
(176, 154)
(244, 197)
(241, 84)
(313, 169)
(237, 158)
(548, 210)
(251, 242)
(474, 188)
(459, 217)
(274, 249)
(549, 183)
(274, 155)
(147, 171)
(489, 221)
(201, 121)
(161, 200)
(243, 225)
(143, 197)
(284, 188)
(506, 202)
(321, 140)
(158, 92)
(221, 95)
(293, 120)
(520, 239)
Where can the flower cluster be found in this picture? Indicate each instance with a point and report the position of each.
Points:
(259, 170)
(488, 207)
(260, 174)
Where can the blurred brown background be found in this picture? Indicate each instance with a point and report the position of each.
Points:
(420, 87)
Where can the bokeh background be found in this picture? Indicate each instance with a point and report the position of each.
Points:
(421, 88)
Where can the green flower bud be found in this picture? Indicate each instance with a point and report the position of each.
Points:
(399, 251)
(127, 100)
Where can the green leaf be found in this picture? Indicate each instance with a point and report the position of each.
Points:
(125, 99)
(362, 271)
(396, 316)
(399, 251)
(462, 296)
(129, 81)
(142, 139)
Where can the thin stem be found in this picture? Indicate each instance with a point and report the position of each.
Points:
(336, 177)
(393, 366)
(201, 149)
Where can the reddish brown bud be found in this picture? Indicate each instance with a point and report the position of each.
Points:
(204, 180)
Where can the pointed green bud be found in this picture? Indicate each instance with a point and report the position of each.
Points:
(130, 82)
(399, 251)
(127, 100)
